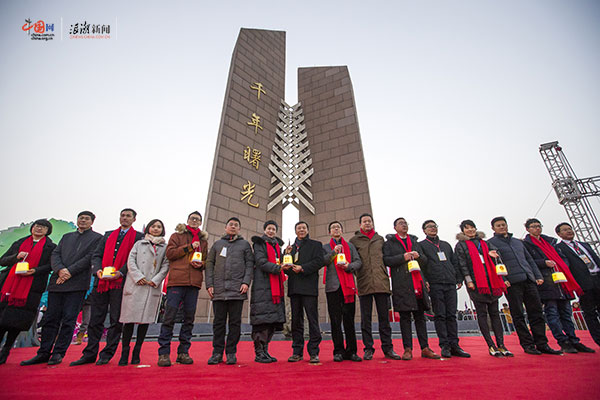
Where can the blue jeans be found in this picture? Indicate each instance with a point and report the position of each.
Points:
(176, 295)
(558, 316)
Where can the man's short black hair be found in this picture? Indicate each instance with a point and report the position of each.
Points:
(531, 221)
(42, 222)
(425, 223)
(557, 229)
(234, 219)
(496, 219)
(301, 222)
(195, 212)
(334, 222)
(132, 211)
(365, 215)
(398, 219)
(147, 230)
(270, 222)
(88, 213)
(467, 222)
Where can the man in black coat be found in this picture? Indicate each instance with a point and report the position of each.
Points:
(442, 273)
(303, 290)
(522, 281)
(585, 267)
(108, 301)
(71, 263)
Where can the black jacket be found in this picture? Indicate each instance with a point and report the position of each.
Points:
(403, 290)
(548, 290)
(262, 308)
(436, 271)
(227, 274)
(310, 258)
(21, 318)
(517, 259)
(580, 271)
(74, 252)
(99, 254)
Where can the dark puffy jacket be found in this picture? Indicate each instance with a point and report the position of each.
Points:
(310, 258)
(548, 290)
(262, 308)
(436, 271)
(227, 274)
(21, 318)
(579, 269)
(403, 290)
(517, 259)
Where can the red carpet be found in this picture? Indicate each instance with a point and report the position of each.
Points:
(572, 376)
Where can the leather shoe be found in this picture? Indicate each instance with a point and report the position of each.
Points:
(55, 359)
(368, 355)
(295, 358)
(505, 352)
(184, 358)
(532, 350)
(314, 359)
(102, 361)
(580, 347)
(231, 359)
(82, 361)
(407, 356)
(215, 359)
(548, 350)
(568, 348)
(355, 358)
(428, 353)
(38, 359)
(458, 352)
(392, 355)
(164, 360)
(446, 353)
(338, 358)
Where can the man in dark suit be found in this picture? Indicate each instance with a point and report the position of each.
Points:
(303, 290)
(585, 267)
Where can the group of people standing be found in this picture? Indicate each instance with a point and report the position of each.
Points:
(129, 267)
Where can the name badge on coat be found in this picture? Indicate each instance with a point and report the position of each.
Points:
(223, 252)
(442, 256)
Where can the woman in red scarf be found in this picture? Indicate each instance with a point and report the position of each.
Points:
(20, 294)
(267, 304)
(484, 286)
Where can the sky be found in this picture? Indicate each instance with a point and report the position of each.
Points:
(453, 100)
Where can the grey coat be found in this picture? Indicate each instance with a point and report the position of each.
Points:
(262, 308)
(227, 274)
(332, 282)
(140, 303)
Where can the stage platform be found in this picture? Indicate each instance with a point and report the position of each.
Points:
(571, 376)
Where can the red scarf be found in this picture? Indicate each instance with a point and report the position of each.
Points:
(195, 233)
(479, 270)
(120, 260)
(16, 287)
(417, 279)
(346, 278)
(570, 285)
(276, 280)
(370, 234)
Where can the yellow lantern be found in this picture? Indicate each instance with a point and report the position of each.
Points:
(22, 267)
(108, 272)
(197, 257)
(413, 266)
(341, 259)
(559, 277)
(501, 270)
(287, 259)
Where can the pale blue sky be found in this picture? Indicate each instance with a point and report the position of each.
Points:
(453, 99)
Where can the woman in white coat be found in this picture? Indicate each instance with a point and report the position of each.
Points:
(147, 267)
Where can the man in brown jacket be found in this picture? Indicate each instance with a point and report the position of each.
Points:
(183, 283)
(373, 283)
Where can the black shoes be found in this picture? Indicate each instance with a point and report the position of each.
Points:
(505, 352)
(548, 350)
(368, 355)
(295, 358)
(580, 347)
(82, 361)
(353, 357)
(124, 360)
(38, 359)
(55, 359)
(392, 355)
(215, 359)
(532, 350)
(261, 357)
(101, 361)
(338, 358)
(494, 352)
(568, 348)
(314, 359)
(135, 355)
(446, 353)
(231, 359)
(458, 352)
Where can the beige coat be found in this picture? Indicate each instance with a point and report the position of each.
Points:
(373, 276)
(140, 303)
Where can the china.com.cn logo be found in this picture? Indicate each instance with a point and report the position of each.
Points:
(41, 30)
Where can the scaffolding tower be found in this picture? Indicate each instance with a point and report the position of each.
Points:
(573, 194)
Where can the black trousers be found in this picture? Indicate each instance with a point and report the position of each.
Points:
(187, 296)
(491, 309)
(227, 312)
(59, 321)
(526, 293)
(444, 301)
(382, 302)
(420, 327)
(104, 303)
(11, 337)
(341, 312)
(309, 304)
(590, 305)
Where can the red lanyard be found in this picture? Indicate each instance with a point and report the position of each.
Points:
(436, 245)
